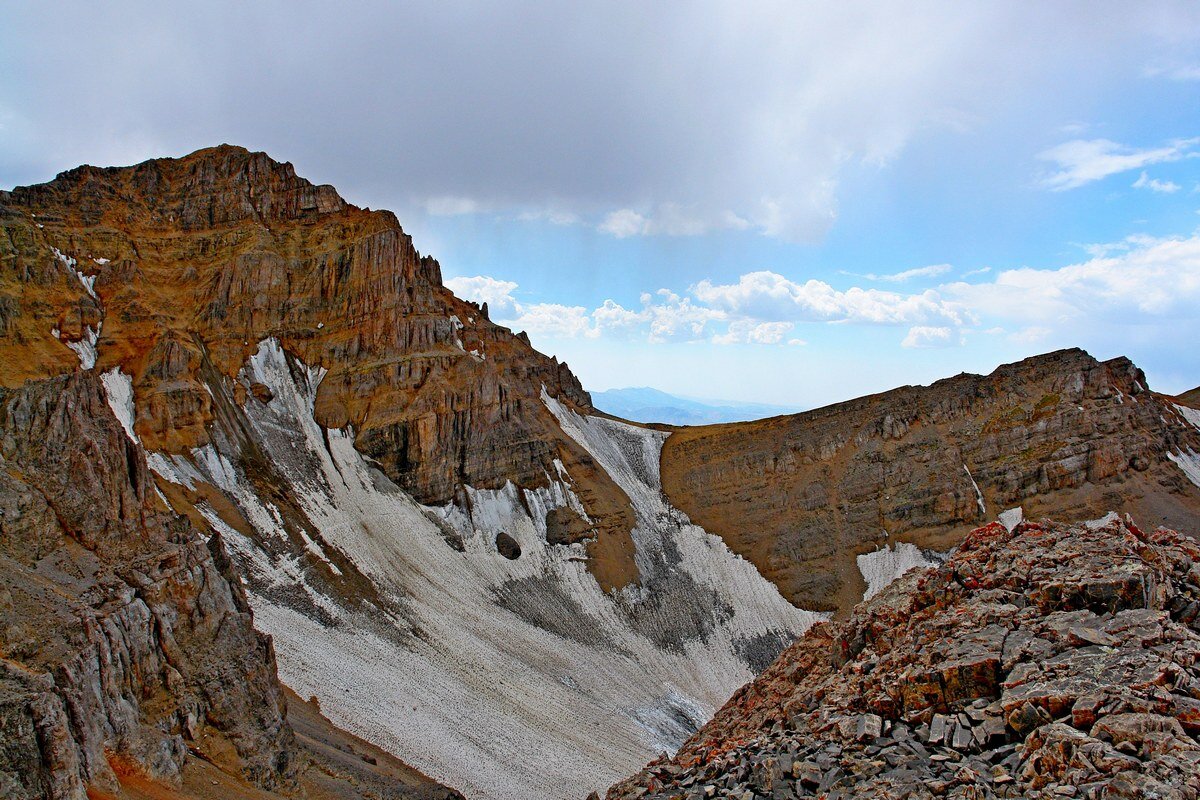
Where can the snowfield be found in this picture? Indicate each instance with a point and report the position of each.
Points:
(507, 679)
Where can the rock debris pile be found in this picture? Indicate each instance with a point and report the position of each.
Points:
(1051, 661)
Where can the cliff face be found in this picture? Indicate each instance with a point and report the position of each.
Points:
(801, 496)
(125, 634)
(175, 269)
(421, 510)
(1046, 661)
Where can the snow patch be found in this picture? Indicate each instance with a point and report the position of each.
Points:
(1189, 462)
(886, 564)
(118, 387)
(89, 282)
(1192, 415)
(85, 348)
(1102, 522)
(1011, 518)
(978, 494)
(550, 671)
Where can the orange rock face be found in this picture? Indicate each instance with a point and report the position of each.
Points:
(801, 496)
(184, 265)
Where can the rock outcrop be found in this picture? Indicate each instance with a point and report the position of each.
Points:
(1062, 434)
(125, 634)
(229, 389)
(1050, 661)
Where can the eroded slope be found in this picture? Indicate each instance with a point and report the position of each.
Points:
(453, 556)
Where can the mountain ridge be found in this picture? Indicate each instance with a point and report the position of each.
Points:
(432, 522)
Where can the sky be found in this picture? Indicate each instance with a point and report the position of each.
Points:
(778, 202)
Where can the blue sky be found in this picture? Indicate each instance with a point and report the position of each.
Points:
(775, 202)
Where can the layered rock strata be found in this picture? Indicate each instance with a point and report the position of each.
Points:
(126, 635)
(1050, 661)
(175, 269)
(1061, 434)
(424, 513)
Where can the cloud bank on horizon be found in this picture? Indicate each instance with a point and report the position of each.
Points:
(1139, 281)
(898, 189)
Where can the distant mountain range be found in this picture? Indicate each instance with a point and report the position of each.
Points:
(644, 404)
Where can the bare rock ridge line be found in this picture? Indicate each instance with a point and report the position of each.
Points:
(1050, 661)
(1061, 434)
(178, 268)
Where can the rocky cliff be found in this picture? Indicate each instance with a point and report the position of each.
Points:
(125, 634)
(130, 664)
(457, 559)
(803, 496)
(1043, 662)
(422, 510)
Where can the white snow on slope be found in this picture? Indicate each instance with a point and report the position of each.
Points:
(1011, 518)
(978, 494)
(89, 282)
(887, 564)
(507, 679)
(118, 387)
(1192, 415)
(1189, 462)
(85, 348)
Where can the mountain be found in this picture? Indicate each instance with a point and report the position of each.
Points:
(252, 444)
(424, 514)
(1049, 660)
(804, 497)
(1190, 398)
(651, 405)
(129, 657)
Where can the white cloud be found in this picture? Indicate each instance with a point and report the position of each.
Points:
(497, 294)
(1155, 185)
(555, 216)
(1082, 161)
(1031, 334)
(926, 336)
(771, 296)
(1140, 281)
(931, 271)
(744, 331)
(668, 219)
(623, 223)
(980, 271)
(759, 133)
(448, 206)
(1176, 72)
(555, 320)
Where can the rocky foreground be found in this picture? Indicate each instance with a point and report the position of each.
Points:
(1046, 661)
